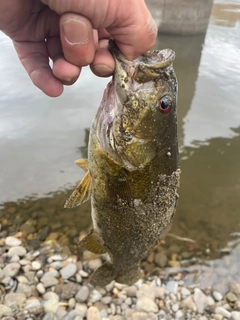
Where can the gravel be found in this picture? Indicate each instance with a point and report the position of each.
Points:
(50, 284)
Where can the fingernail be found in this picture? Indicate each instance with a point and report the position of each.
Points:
(75, 31)
(103, 70)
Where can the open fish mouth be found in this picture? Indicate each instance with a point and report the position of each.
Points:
(146, 67)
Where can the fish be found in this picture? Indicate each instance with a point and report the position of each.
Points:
(132, 171)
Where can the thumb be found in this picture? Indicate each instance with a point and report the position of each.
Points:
(77, 39)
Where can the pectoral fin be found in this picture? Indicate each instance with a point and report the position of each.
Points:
(82, 192)
(82, 163)
(91, 243)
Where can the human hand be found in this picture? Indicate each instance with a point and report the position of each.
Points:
(74, 34)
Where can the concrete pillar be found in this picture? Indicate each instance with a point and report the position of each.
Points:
(183, 17)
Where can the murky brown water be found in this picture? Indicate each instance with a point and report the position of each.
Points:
(41, 138)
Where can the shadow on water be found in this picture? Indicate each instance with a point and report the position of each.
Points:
(188, 55)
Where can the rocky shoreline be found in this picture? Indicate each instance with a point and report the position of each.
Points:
(48, 284)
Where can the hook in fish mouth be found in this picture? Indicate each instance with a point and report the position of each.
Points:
(148, 67)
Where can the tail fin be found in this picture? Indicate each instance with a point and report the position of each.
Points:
(108, 272)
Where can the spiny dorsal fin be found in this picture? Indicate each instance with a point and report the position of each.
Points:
(82, 163)
(82, 192)
(91, 243)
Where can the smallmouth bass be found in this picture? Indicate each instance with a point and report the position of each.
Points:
(132, 171)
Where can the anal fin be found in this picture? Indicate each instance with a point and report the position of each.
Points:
(82, 192)
(91, 243)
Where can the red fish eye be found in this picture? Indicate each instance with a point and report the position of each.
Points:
(165, 104)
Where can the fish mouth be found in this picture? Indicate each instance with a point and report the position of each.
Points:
(147, 67)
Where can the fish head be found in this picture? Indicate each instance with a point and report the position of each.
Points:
(140, 107)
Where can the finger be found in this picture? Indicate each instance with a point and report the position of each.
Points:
(139, 32)
(130, 23)
(141, 39)
(103, 64)
(77, 39)
(65, 71)
(62, 69)
(34, 58)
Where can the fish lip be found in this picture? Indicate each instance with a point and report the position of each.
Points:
(147, 67)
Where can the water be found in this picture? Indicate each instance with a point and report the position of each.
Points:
(40, 138)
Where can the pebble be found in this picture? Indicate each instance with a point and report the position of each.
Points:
(223, 312)
(15, 258)
(235, 315)
(13, 242)
(71, 303)
(112, 308)
(179, 314)
(83, 274)
(49, 284)
(40, 288)
(15, 299)
(109, 287)
(106, 300)
(131, 291)
(32, 305)
(94, 296)
(231, 297)
(217, 295)
(5, 311)
(57, 265)
(94, 264)
(50, 295)
(53, 273)
(49, 281)
(50, 306)
(68, 271)
(69, 290)
(144, 316)
(25, 289)
(82, 294)
(200, 300)
(93, 314)
(18, 250)
(49, 316)
(175, 307)
(36, 265)
(185, 292)
(161, 259)
(146, 304)
(172, 287)
(82, 309)
(11, 269)
(72, 315)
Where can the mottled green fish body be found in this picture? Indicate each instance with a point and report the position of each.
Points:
(132, 170)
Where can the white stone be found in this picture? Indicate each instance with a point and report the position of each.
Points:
(223, 312)
(13, 242)
(146, 304)
(235, 315)
(18, 250)
(200, 300)
(36, 265)
(217, 295)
